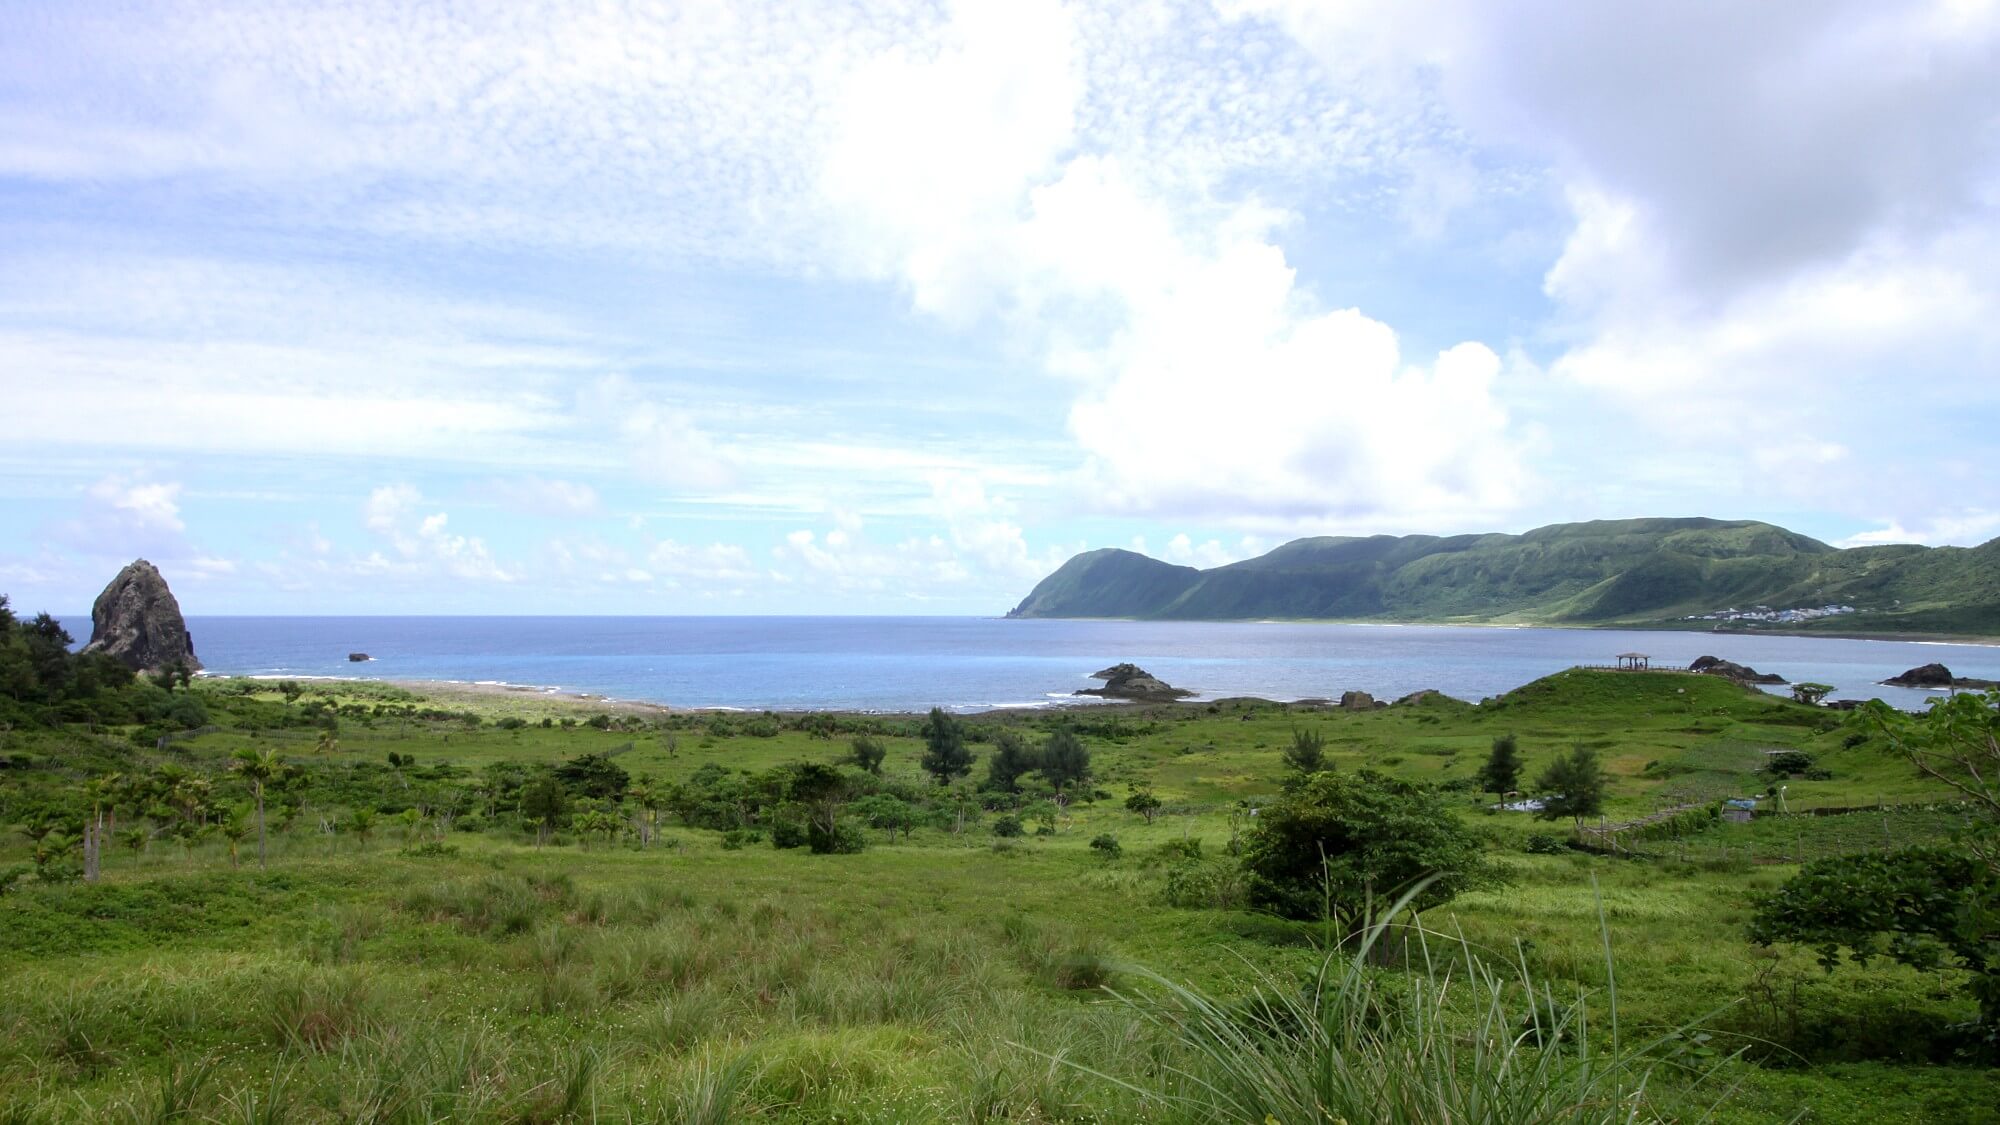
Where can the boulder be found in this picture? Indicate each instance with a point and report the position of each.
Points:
(137, 620)
(1938, 676)
(1730, 670)
(1358, 701)
(1129, 681)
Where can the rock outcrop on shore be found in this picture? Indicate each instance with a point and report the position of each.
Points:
(1359, 701)
(137, 620)
(1939, 676)
(1129, 681)
(1730, 670)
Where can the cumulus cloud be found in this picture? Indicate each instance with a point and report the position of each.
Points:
(152, 505)
(1212, 383)
(424, 544)
(1781, 216)
(1968, 528)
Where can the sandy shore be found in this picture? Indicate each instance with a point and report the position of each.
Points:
(446, 691)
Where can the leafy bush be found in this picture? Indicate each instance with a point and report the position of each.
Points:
(736, 838)
(1788, 762)
(1107, 846)
(1334, 842)
(1543, 843)
(1007, 826)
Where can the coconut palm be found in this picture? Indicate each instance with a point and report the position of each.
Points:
(261, 767)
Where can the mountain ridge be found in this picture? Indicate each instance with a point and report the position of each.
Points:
(1633, 572)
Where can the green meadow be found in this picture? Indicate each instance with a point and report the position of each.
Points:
(535, 909)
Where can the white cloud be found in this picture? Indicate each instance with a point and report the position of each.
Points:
(713, 563)
(543, 496)
(1212, 384)
(424, 544)
(149, 505)
(1184, 551)
(1968, 528)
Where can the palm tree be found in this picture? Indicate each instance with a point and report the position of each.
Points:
(235, 830)
(261, 767)
(327, 743)
(362, 822)
(134, 840)
(647, 794)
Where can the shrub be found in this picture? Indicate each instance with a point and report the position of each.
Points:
(1107, 846)
(789, 834)
(1544, 843)
(1007, 826)
(1788, 762)
(1335, 842)
(736, 838)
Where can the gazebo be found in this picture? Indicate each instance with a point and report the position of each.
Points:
(1634, 662)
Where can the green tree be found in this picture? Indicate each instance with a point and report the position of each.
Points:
(945, 756)
(1330, 844)
(887, 812)
(1501, 774)
(1923, 907)
(259, 768)
(544, 804)
(1920, 905)
(1811, 693)
(1065, 760)
(235, 829)
(361, 821)
(1307, 753)
(1144, 803)
(821, 790)
(1572, 786)
(1011, 758)
(868, 754)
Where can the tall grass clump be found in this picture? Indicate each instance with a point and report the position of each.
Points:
(1456, 1040)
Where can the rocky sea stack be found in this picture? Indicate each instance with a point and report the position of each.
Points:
(1937, 676)
(1730, 670)
(137, 620)
(1129, 681)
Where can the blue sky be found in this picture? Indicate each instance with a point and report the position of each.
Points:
(515, 307)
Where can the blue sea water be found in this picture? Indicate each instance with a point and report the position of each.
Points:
(977, 663)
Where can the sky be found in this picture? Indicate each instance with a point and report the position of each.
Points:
(722, 307)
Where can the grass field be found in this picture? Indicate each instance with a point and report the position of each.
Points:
(409, 973)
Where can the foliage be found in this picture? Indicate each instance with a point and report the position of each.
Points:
(1106, 845)
(1572, 786)
(867, 754)
(1010, 760)
(1307, 753)
(1064, 761)
(945, 755)
(594, 776)
(1917, 906)
(1810, 693)
(1502, 772)
(1007, 826)
(1335, 842)
(1143, 802)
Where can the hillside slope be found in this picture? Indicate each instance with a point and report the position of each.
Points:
(1641, 571)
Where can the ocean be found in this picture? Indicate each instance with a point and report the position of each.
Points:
(980, 663)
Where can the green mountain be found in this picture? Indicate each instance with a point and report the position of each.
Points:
(1606, 572)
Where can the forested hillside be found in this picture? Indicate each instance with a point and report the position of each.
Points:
(1645, 571)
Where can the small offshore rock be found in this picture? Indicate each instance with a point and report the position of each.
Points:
(358, 657)
(1730, 670)
(1938, 676)
(1129, 681)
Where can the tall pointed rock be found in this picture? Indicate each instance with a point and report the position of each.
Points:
(137, 620)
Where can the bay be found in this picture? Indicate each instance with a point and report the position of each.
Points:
(979, 663)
